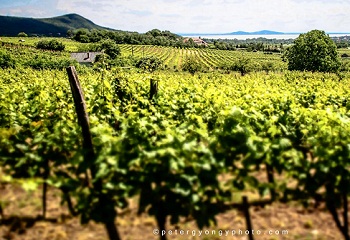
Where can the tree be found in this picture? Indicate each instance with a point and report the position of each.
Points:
(110, 47)
(82, 35)
(192, 65)
(242, 64)
(313, 51)
(22, 34)
(155, 32)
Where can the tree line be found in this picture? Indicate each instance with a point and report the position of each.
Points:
(167, 38)
(152, 37)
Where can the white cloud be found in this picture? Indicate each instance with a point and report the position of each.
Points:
(199, 15)
(29, 8)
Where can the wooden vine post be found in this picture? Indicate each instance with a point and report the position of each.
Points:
(153, 88)
(89, 154)
(247, 217)
(271, 180)
(45, 177)
(1, 213)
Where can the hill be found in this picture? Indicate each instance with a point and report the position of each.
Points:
(55, 26)
(262, 32)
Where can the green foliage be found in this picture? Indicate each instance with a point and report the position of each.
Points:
(188, 150)
(22, 34)
(46, 62)
(125, 61)
(313, 51)
(30, 57)
(243, 65)
(53, 45)
(268, 66)
(209, 59)
(345, 66)
(157, 33)
(102, 61)
(81, 35)
(153, 37)
(6, 60)
(192, 65)
(107, 46)
(173, 151)
(110, 48)
(149, 64)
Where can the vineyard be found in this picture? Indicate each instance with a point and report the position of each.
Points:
(175, 146)
(210, 58)
(173, 58)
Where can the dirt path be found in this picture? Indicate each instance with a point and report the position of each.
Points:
(293, 218)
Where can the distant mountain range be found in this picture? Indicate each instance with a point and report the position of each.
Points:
(262, 32)
(268, 32)
(55, 26)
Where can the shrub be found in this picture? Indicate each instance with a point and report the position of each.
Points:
(345, 66)
(242, 65)
(268, 66)
(109, 47)
(149, 63)
(192, 66)
(22, 34)
(6, 60)
(53, 45)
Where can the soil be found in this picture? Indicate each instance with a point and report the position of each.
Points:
(21, 209)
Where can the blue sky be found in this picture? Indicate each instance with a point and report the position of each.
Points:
(196, 16)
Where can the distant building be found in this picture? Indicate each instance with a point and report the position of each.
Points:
(197, 41)
(85, 57)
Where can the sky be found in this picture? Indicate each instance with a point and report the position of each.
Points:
(195, 16)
